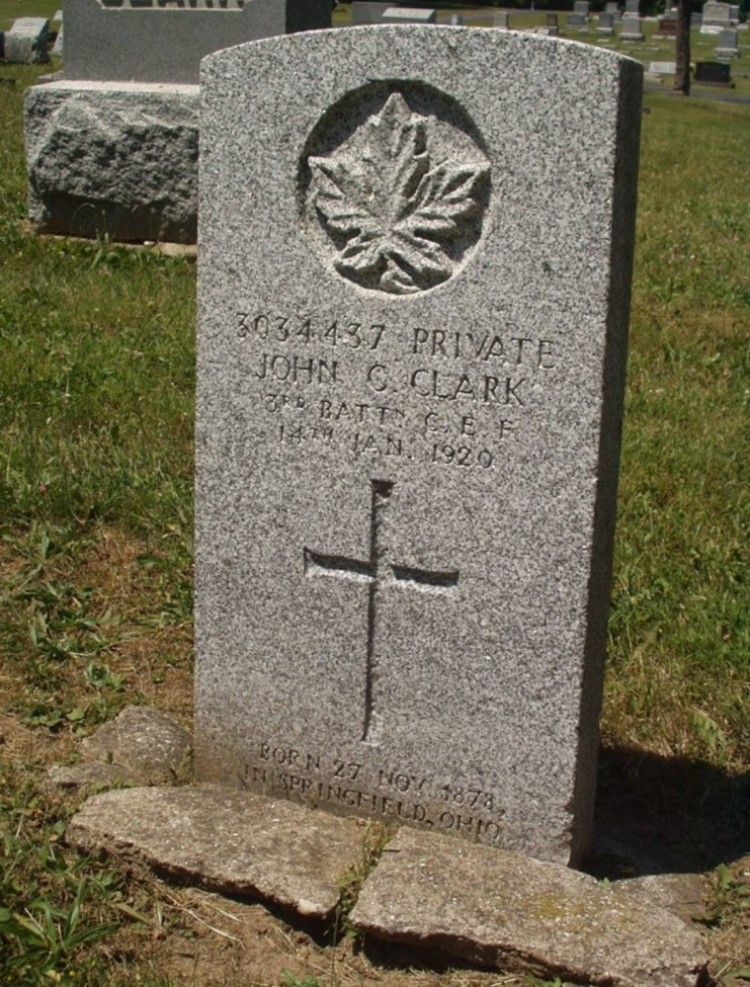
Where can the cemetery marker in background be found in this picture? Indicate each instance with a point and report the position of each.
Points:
(414, 277)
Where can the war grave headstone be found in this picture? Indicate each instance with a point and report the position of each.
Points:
(631, 29)
(112, 145)
(408, 423)
(26, 42)
(409, 15)
(727, 46)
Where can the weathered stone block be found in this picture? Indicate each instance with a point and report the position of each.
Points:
(117, 160)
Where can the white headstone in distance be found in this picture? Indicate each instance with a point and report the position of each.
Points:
(727, 46)
(718, 14)
(409, 15)
(26, 42)
(409, 402)
(631, 29)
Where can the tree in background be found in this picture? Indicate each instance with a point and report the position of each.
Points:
(682, 48)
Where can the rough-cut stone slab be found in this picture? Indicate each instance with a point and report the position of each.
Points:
(88, 775)
(26, 42)
(150, 745)
(118, 160)
(414, 294)
(226, 841)
(511, 913)
(141, 746)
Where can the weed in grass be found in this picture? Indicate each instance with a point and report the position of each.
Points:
(52, 903)
(289, 980)
(374, 842)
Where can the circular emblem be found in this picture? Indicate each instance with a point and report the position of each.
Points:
(394, 187)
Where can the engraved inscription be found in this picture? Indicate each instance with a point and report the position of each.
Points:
(474, 383)
(400, 199)
(389, 792)
(377, 572)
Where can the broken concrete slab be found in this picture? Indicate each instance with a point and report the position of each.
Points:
(514, 913)
(227, 841)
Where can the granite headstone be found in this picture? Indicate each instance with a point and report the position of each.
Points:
(368, 11)
(577, 22)
(727, 46)
(410, 381)
(713, 73)
(717, 14)
(112, 145)
(145, 41)
(631, 29)
(409, 15)
(26, 42)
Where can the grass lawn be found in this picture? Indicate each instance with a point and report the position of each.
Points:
(96, 464)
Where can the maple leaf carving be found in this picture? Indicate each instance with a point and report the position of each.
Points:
(391, 210)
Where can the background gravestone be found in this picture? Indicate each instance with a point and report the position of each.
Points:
(112, 146)
(577, 22)
(26, 42)
(713, 73)
(727, 46)
(143, 41)
(368, 11)
(605, 24)
(409, 15)
(631, 29)
(413, 293)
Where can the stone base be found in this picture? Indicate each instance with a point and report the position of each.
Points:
(117, 160)
(492, 908)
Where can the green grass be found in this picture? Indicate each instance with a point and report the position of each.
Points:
(96, 464)
(680, 628)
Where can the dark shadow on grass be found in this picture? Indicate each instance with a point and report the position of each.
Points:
(658, 815)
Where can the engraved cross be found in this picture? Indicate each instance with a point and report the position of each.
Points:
(377, 571)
